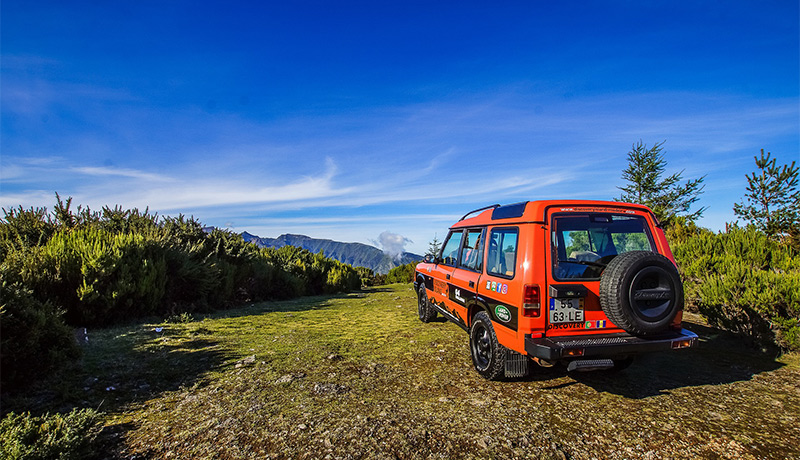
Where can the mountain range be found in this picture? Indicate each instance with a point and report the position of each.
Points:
(355, 254)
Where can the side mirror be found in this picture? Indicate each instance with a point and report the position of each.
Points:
(429, 259)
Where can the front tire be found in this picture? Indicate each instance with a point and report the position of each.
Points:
(488, 356)
(424, 310)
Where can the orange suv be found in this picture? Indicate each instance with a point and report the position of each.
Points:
(586, 283)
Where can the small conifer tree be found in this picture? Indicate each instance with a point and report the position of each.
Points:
(434, 247)
(772, 201)
(667, 197)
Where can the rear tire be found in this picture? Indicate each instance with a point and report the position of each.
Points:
(488, 356)
(424, 309)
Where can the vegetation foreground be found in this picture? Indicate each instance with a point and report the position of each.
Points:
(359, 376)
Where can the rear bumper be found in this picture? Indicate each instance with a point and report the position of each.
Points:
(553, 348)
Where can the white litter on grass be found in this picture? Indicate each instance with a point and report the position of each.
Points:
(159, 329)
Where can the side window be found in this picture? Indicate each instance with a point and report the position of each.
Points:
(450, 249)
(501, 259)
(472, 251)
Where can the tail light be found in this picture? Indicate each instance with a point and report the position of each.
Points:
(681, 344)
(531, 305)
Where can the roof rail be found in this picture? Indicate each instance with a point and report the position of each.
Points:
(479, 209)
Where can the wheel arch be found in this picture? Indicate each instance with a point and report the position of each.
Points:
(420, 281)
(477, 306)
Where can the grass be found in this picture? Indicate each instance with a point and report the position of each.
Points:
(359, 376)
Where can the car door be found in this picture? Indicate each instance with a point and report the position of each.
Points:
(500, 288)
(442, 274)
(466, 275)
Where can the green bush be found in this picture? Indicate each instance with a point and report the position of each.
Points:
(106, 267)
(56, 436)
(369, 277)
(97, 276)
(33, 337)
(122, 265)
(315, 273)
(401, 274)
(743, 281)
(24, 228)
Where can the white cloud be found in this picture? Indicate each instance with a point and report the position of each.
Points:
(492, 148)
(130, 173)
(393, 244)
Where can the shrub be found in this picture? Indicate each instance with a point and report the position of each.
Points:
(24, 228)
(56, 436)
(105, 267)
(743, 281)
(315, 273)
(97, 276)
(401, 274)
(369, 277)
(33, 337)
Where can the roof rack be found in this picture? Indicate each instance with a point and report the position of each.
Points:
(479, 209)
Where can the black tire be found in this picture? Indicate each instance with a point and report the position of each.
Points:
(641, 292)
(488, 356)
(424, 309)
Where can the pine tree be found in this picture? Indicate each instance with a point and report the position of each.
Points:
(434, 247)
(667, 197)
(772, 198)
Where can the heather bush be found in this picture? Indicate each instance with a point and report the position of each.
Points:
(57, 436)
(100, 268)
(401, 274)
(97, 276)
(33, 337)
(369, 277)
(24, 228)
(743, 281)
(316, 274)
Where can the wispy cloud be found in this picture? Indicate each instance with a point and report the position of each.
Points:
(498, 147)
(117, 172)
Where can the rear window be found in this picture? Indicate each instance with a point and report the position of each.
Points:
(583, 244)
(472, 251)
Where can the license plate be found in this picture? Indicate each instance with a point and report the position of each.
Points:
(568, 310)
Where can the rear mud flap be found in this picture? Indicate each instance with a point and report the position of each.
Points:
(516, 364)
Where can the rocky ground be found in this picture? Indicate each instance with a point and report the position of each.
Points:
(359, 376)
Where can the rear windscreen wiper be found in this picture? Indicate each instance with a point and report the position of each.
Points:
(583, 262)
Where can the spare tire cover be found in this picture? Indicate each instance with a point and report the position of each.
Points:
(641, 292)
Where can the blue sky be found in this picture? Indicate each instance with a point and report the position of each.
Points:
(348, 120)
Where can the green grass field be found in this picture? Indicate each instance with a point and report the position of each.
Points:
(359, 376)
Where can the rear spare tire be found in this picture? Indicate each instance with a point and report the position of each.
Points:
(641, 292)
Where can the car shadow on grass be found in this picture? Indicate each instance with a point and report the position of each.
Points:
(720, 358)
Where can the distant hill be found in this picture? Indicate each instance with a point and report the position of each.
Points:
(355, 254)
